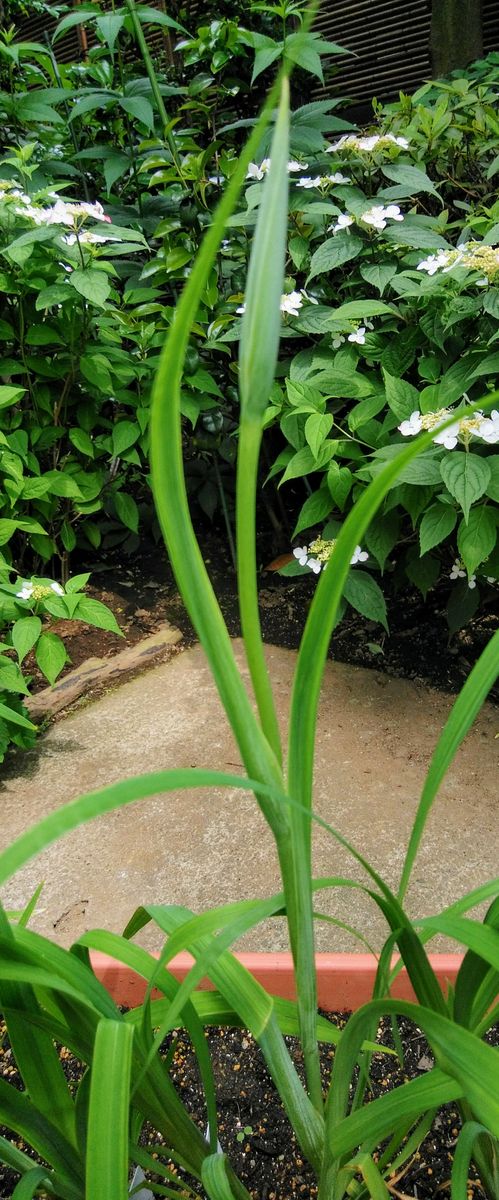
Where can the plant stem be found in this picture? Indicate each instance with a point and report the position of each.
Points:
(250, 436)
(155, 88)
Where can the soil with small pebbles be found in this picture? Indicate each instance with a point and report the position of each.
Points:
(253, 1127)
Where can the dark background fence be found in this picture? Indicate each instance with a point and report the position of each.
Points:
(390, 41)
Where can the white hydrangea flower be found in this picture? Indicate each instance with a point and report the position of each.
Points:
(412, 426)
(358, 335)
(433, 262)
(344, 220)
(26, 591)
(463, 429)
(87, 236)
(392, 211)
(338, 178)
(308, 182)
(317, 555)
(296, 166)
(38, 591)
(474, 256)
(291, 303)
(257, 171)
(64, 212)
(369, 143)
(378, 215)
(458, 571)
(488, 428)
(448, 437)
(359, 555)
(29, 210)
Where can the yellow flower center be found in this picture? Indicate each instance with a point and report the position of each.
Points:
(322, 549)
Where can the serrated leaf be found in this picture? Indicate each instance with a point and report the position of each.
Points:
(412, 177)
(11, 677)
(408, 233)
(401, 396)
(358, 310)
(10, 395)
(317, 427)
(77, 582)
(461, 605)
(365, 595)
(24, 634)
(437, 523)
(51, 656)
(302, 463)
(93, 285)
(382, 536)
(82, 442)
(315, 509)
(378, 275)
(95, 613)
(125, 433)
(365, 411)
(423, 571)
(334, 252)
(339, 482)
(476, 537)
(492, 488)
(126, 510)
(466, 476)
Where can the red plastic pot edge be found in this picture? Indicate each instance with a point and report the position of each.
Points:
(344, 981)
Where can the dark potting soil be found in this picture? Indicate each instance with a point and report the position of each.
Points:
(254, 1130)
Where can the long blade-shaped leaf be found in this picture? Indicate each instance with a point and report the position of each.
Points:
(29, 1184)
(463, 713)
(463, 1155)
(172, 506)
(107, 1143)
(258, 352)
(218, 1182)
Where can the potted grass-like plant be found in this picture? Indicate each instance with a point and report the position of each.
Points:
(88, 1144)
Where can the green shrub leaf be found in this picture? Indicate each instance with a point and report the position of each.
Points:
(25, 633)
(365, 595)
(436, 524)
(476, 537)
(466, 476)
(51, 656)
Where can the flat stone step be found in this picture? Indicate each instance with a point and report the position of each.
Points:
(206, 847)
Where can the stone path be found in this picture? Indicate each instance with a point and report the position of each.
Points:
(201, 848)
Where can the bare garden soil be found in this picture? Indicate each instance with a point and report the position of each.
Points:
(254, 1130)
(140, 589)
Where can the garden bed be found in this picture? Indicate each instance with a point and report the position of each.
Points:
(141, 592)
(253, 1127)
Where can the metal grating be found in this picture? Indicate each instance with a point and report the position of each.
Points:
(74, 44)
(389, 43)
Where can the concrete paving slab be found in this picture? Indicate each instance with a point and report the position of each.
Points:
(202, 848)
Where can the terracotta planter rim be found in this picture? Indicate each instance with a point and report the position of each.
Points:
(344, 981)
